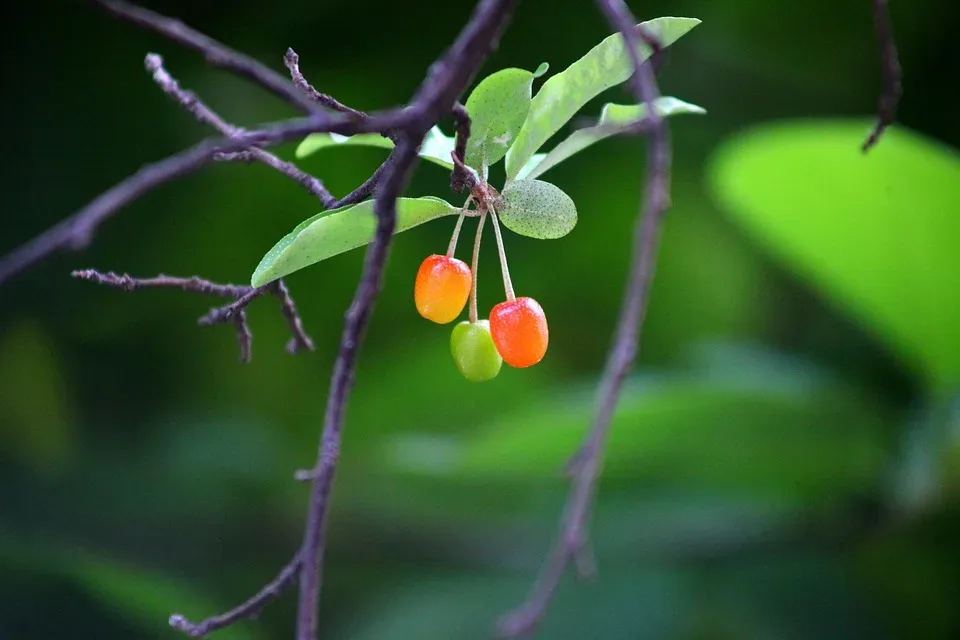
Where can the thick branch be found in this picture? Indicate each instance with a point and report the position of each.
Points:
(573, 538)
(445, 82)
(215, 53)
(892, 80)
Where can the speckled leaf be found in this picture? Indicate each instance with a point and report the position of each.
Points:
(338, 230)
(497, 108)
(611, 114)
(436, 147)
(606, 65)
(536, 209)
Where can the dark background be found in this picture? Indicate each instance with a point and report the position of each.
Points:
(784, 464)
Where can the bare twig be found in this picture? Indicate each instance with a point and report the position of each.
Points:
(572, 544)
(892, 74)
(249, 609)
(234, 312)
(77, 230)
(292, 61)
(215, 53)
(189, 101)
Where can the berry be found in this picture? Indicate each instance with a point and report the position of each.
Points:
(442, 288)
(473, 351)
(519, 330)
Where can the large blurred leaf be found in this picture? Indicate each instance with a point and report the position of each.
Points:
(756, 423)
(333, 232)
(606, 65)
(610, 115)
(876, 233)
(436, 147)
(497, 108)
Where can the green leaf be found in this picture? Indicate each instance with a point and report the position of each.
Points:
(436, 147)
(536, 209)
(611, 115)
(497, 108)
(876, 233)
(606, 65)
(333, 232)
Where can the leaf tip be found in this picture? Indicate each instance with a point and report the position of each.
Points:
(542, 69)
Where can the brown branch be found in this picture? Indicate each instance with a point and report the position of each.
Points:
(892, 74)
(76, 231)
(572, 544)
(248, 609)
(215, 53)
(292, 61)
(234, 312)
(204, 114)
(445, 82)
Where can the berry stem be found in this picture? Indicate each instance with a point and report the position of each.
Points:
(452, 247)
(476, 263)
(507, 284)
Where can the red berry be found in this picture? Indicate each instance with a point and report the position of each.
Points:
(442, 288)
(519, 330)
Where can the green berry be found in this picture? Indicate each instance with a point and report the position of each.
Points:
(473, 351)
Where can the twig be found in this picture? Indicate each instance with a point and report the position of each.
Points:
(189, 101)
(215, 53)
(461, 125)
(572, 544)
(234, 312)
(249, 609)
(76, 231)
(892, 74)
(292, 61)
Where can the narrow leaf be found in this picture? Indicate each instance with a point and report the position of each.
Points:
(606, 65)
(497, 108)
(536, 209)
(610, 116)
(338, 230)
(436, 147)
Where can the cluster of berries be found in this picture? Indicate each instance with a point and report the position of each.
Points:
(516, 332)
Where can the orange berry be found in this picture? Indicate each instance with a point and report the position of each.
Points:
(519, 330)
(442, 288)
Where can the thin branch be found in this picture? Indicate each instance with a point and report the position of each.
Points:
(892, 74)
(461, 126)
(292, 61)
(204, 114)
(215, 53)
(234, 312)
(572, 543)
(249, 609)
(76, 231)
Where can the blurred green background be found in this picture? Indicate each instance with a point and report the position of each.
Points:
(786, 459)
